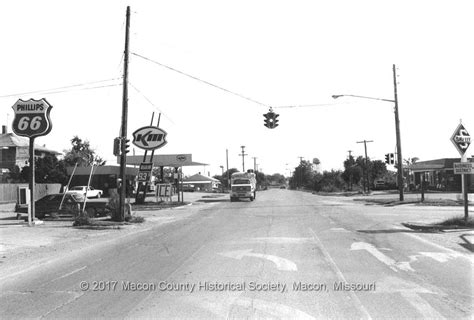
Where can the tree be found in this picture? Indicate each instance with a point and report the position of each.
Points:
(302, 176)
(82, 154)
(329, 181)
(377, 169)
(276, 178)
(15, 175)
(352, 172)
(223, 178)
(261, 179)
(48, 169)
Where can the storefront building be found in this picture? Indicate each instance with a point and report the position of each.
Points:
(439, 175)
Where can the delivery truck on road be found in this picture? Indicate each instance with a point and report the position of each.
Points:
(243, 185)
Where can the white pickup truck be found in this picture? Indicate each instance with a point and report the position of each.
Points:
(89, 192)
(243, 185)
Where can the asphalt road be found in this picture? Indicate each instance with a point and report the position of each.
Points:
(286, 255)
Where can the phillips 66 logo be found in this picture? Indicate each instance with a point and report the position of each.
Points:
(32, 118)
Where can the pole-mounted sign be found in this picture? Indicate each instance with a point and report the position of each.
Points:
(32, 120)
(149, 138)
(144, 172)
(461, 139)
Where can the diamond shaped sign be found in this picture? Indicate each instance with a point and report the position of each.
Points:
(461, 139)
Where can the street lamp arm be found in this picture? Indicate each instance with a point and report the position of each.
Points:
(335, 96)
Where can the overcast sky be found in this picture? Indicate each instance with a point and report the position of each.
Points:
(276, 53)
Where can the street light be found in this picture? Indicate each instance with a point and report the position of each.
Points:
(397, 129)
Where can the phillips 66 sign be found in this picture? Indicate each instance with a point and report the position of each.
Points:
(32, 118)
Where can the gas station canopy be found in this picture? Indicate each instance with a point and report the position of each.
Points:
(165, 160)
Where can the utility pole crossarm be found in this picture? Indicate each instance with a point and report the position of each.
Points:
(243, 154)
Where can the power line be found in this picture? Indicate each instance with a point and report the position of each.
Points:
(82, 89)
(52, 90)
(307, 105)
(229, 91)
(150, 102)
(200, 80)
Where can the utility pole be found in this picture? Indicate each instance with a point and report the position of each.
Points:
(350, 177)
(254, 164)
(300, 178)
(366, 178)
(227, 165)
(123, 135)
(399, 143)
(243, 154)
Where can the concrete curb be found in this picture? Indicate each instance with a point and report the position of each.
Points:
(435, 227)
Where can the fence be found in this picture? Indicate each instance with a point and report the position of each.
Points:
(9, 191)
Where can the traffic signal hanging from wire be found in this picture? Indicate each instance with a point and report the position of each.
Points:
(270, 120)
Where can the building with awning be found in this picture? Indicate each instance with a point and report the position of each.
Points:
(199, 182)
(439, 174)
(165, 160)
(103, 177)
(162, 161)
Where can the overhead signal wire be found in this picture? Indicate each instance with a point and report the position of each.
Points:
(229, 91)
(55, 90)
(200, 80)
(309, 105)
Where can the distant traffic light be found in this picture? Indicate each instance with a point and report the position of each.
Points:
(270, 120)
(389, 158)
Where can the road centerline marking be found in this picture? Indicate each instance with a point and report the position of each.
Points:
(339, 274)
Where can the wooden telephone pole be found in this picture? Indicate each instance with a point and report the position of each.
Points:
(123, 133)
(366, 175)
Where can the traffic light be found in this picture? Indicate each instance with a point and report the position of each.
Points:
(117, 146)
(271, 120)
(392, 158)
(389, 158)
(275, 120)
(126, 145)
(267, 120)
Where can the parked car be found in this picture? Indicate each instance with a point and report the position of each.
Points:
(49, 205)
(90, 192)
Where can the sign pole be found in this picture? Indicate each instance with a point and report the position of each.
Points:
(466, 200)
(464, 190)
(461, 140)
(32, 120)
(31, 216)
